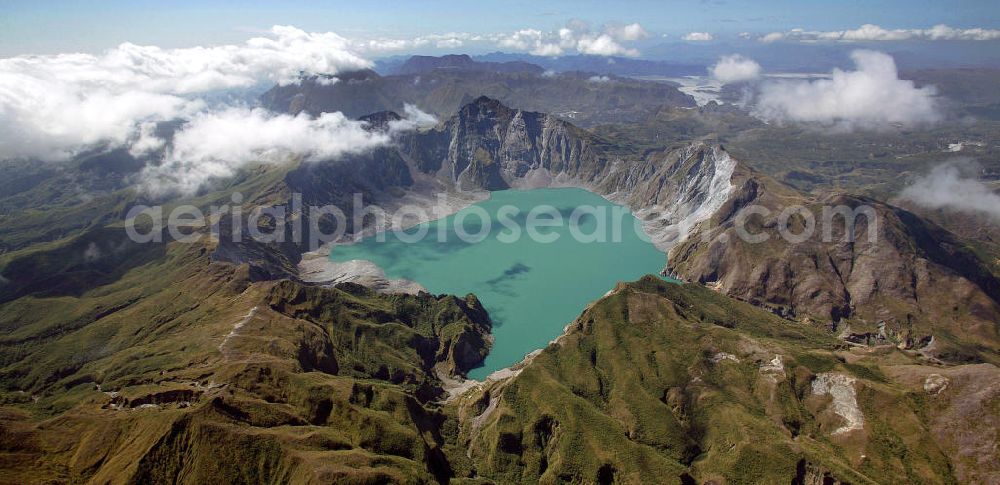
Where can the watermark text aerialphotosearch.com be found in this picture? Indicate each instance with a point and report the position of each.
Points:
(314, 226)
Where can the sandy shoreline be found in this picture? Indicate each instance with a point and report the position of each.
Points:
(317, 268)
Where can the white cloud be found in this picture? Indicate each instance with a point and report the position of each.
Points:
(575, 37)
(46, 117)
(413, 118)
(946, 188)
(379, 45)
(698, 37)
(735, 68)
(773, 37)
(628, 32)
(872, 96)
(521, 40)
(943, 32)
(449, 43)
(146, 141)
(216, 144)
(603, 45)
(51, 107)
(868, 32)
(598, 79)
(450, 40)
(871, 33)
(530, 40)
(547, 50)
(323, 80)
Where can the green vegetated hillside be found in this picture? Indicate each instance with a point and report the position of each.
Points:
(211, 362)
(185, 371)
(276, 381)
(676, 384)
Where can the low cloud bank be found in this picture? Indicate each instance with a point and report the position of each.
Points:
(698, 37)
(948, 187)
(735, 68)
(51, 107)
(217, 144)
(214, 145)
(871, 96)
(413, 118)
(449, 40)
(875, 33)
(576, 37)
(55, 107)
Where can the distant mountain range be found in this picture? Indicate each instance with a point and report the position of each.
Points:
(517, 62)
(441, 86)
(673, 59)
(607, 65)
(462, 62)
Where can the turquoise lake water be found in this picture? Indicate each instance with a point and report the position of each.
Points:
(531, 288)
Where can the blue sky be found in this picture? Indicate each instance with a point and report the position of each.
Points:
(34, 27)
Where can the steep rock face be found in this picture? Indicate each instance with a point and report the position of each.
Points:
(897, 269)
(673, 191)
(491, 146)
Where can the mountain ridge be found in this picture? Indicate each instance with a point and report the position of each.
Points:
(215, 362)
(423, 64)
(579, 96)
(689, 197)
